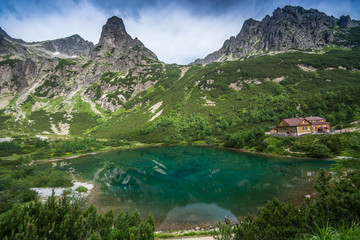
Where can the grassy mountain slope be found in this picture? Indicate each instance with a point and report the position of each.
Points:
(151, 101)
(201, 104)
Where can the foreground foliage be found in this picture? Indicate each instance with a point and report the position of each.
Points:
(330, 233)
(333, 214)
(63, 219)
(275, 221)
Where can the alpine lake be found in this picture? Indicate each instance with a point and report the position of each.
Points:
(189, 186)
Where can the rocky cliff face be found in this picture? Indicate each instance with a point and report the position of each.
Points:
(116, 42)
(117, 62)
(72, 46)
(109, 74)
(289, 27)
(9, 45)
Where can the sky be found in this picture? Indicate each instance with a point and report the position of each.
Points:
(177, 31)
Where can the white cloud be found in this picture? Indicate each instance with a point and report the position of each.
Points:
(172, 33)
(176, 35)
(83, 19)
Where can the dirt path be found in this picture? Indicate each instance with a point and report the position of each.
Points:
(198, 238)
(192, 238)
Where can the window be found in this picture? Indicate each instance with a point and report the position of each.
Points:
(304, 128)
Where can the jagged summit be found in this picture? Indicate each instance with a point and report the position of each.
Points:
(113, 33)
(288, 27)
(115, 39)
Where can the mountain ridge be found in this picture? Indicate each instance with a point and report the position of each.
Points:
(122, 90)
(51, 68)
(288, 27)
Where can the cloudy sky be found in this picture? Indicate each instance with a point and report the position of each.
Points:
(177, 31)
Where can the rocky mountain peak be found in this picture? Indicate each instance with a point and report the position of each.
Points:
(288, 27)
(116, 42)
(113, 33)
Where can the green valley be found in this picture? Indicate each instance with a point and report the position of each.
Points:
(74, 111)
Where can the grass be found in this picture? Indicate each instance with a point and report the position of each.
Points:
(186, 234)
(330, 233)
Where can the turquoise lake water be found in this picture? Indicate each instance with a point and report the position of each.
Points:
(185, 185)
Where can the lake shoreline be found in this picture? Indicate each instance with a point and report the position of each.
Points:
(63, 158)
(145, 145)
(97, 192)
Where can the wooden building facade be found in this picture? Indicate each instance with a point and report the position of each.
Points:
(302, 125)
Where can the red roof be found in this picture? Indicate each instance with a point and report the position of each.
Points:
(293, 122)
(320, 123)
(314, 118)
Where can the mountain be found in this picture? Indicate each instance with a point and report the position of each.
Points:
(115, 38)
(119, 89)
(72, 46)
(69, 47)
(288, 28)
(64, 67)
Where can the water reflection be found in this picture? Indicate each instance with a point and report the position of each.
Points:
(194, 184)
(193, 214)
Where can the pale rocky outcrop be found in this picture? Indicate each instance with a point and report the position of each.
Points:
(307, 68)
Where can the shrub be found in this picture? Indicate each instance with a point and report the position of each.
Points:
(63, 219)
(275, 221)
(319, 150)
(81, 189)
(338, 199)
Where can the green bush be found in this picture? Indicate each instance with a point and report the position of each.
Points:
(338, 199)
(62, 219)
(81, 189)
(319, 150)
(225, 232)
(52, 178)
(275, 221)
